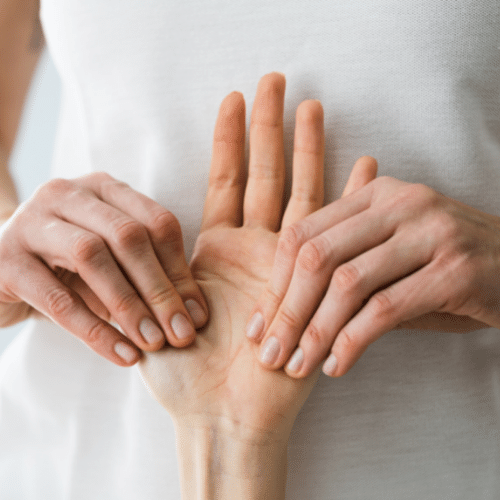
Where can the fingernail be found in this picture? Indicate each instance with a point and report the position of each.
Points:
(330, 365)
(181, 326)
(270, 351)
(125, 352)
(196, 312)
(255, 326)
(151, 333)
(296, 360)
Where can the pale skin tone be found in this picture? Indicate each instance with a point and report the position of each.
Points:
(370, 303)
(331, 290)
(232, 416)
(88, 253)
(391, 255)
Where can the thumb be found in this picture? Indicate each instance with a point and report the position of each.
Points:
(363, 172)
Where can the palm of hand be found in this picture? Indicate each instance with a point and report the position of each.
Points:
(219, 376)
(218, 380)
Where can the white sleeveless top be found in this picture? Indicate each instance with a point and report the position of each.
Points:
(415, 84)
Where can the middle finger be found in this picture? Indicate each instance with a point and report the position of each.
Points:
(130, 245)
(313, 270)
(266, 172)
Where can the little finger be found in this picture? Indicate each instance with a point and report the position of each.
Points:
(163, 230)
(351, 286)
(417, 294)
(290, 243)
(131, 246)
(38, 287)
(66, 246)
(315, 264)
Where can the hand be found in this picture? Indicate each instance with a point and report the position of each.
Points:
(85, 251)
(218, 379)
(391, 255)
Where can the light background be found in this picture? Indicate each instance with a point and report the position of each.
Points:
(31, 158)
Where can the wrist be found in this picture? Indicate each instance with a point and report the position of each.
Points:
(227, 460)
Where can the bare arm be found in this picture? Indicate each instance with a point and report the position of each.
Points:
(21, 43)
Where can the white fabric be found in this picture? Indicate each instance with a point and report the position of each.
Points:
(415, 84)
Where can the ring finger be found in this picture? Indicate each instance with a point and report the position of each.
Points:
(317, 260)
(85, 253)
(351, 286)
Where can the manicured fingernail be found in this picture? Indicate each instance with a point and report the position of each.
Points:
(330, 365)
(296, 360)
(125, 352)
(181, 326)
(196, 312)
(151, 333)
(255, 326)
(270, 351)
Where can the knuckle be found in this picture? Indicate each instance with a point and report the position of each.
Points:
(383, 182)
(290, 242)
(88, 248)
(411, 197)
(180, 278)
(224, 180)
(382, 304)
(166, 227)
(312, 256)
(108, 184)
(315, 335)
(162, 295)
(419, 195)
(446, 226)
(348, 342)
(129, 234)
(273, 297)
(347, 278)
(56, 187)
(125, 302)
(60, 302)
(288, 318)
(96, 335)
(101, 176)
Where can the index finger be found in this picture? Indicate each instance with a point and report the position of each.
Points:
(223, 203)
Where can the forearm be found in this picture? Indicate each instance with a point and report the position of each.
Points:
(220, 465)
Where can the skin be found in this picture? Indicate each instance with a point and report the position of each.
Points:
(217, 384)
(392, 255)
(89, 253)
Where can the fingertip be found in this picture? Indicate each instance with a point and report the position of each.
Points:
(183, 331)
(197, 312)
(272, 83)
(232, 106)
(127, 355)
(330, 366)
(275, 76)
(369, 164)
(235, 97)
(311, 111)
(363, 172)
(255, 327)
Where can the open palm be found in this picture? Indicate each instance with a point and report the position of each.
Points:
(218, 378)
